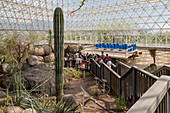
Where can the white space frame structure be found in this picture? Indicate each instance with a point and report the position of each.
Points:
(145, 22)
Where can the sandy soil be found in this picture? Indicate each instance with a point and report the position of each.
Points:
(145, 59)
(89, 84)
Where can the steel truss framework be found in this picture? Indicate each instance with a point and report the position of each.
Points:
(145, 22)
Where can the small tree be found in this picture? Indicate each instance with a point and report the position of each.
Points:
(152, 52)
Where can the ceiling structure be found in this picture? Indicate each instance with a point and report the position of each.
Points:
(121, 17)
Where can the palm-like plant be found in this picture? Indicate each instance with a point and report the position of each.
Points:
(152, 52)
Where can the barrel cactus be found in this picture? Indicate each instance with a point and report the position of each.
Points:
(59, 54)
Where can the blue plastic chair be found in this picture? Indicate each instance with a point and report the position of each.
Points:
(100, 45)
(125, 46)
(120, 47)
(134, 47)
(110, 45)
(97, 46)
(105, 47)
(129, 50)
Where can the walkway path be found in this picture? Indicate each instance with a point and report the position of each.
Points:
(89, 84)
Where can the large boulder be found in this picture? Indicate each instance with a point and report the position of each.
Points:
(31, 49)
(2, 94)
(39, 51)
(32, 60)
(39, 74)
(4, 68)
(72, 49)
(71, 99)
(52, 46)
(13, 109)
(52, 58)
(47, 49)
(29, 110)
(40, 58)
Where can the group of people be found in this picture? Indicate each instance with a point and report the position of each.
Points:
(86, 57)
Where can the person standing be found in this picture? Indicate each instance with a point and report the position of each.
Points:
(106, 58)
(109, 62)
(102, 55)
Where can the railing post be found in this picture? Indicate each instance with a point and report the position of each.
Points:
(100, 71)
(110, 79)
(103, 71)
(168, 104)
(96, 70)
(134, 84)
(90, 65)
(120, 70)
(167, 72)
(120, 87)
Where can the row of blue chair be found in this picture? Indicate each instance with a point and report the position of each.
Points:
(116, 46)
(132, 47)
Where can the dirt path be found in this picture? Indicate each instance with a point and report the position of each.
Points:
(89, 84)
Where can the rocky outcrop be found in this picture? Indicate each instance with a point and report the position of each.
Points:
(4, 68)
(32, 60)
(40, 74)
(47, 49)
(39, 51)
(72, 49)
(52, 58)
(70, 98)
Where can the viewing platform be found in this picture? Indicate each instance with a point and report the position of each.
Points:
(115, 51)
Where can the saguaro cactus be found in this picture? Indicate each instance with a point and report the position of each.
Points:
(59, 54)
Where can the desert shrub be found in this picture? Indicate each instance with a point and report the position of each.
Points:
(78, 74)
(2, 51)
(95, 92)
(120, 103)
(25, 66)
(88, 74)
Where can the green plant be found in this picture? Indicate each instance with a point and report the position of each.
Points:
(78, 74)
(88, 74)
(2, 60)
(120, 103)
(95, 92)
(58, 45)
(42, 104)
(152, 52)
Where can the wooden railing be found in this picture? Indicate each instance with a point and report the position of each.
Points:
(165, 70)
(113, 67)
(113, 79)
(133, 84)
(156, 99)
(104, 72)
(122, 68)
(95, 68)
